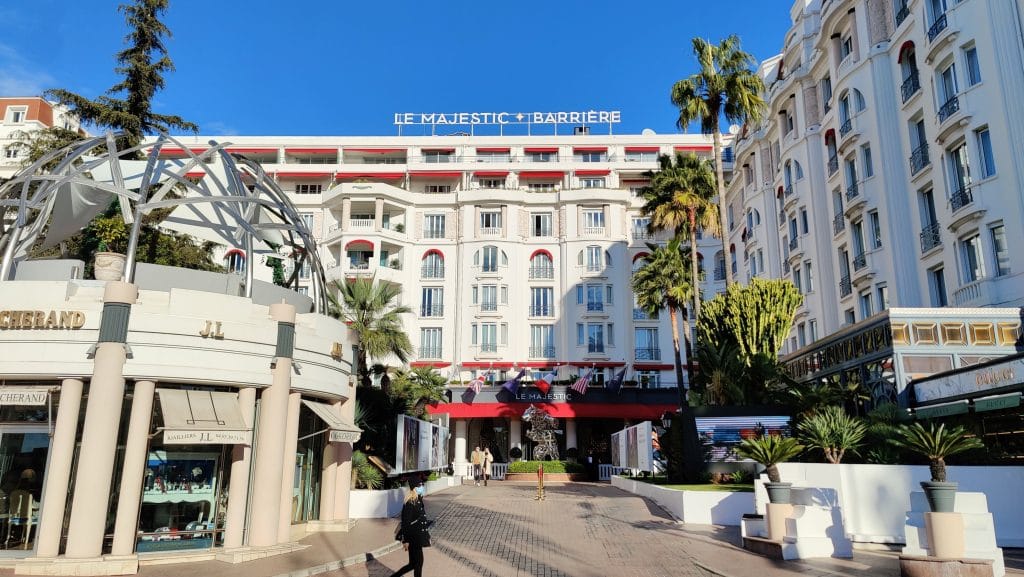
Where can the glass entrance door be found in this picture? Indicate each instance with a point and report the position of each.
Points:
(23, 452)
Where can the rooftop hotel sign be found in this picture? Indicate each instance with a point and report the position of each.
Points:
(475, 118)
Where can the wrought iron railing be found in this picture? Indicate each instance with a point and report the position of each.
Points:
(845, 286)
(910, 86)
(937, 27)
(948, 109)
(648, 354)
(846, 127)
(432, 272)
(542, 272)
(901, 13)
(489, 306)
(919, 159)
(432, 310)
(595, 306)
(838, 223)
(961, 198)
(542, 352)
(719, 273)
(860, 261)
(833, 164)
(794, 243)
(852, 191)
(930, 237)
(430, 352)
(489, 347)
(542, 310)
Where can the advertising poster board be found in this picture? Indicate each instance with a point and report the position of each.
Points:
(633, 447)
(644, 446)
(420, 446)
(616, 448)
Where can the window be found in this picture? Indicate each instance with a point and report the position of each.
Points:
(876, 229)
(946, 84)
(580, 334)
(592, 182)
(846, 47)
(595, 337)
(988, 161)
(11, 152)
(849, 316)
(303, 290)
(490, 220)
(801, 335)
(309, 188)
(490, 263)
(648, 379)
(489, 337)
(541, 266)
(594, 258)
(504, 294)
(646, 342)
(1002, 254)
(591, 156)
(473, 336)
(433, 226)
(826, 93)
(542, 302)
(235, 262)
(430, 343)
(973, 67)
(797, 280)
(865, 304)
(493, 156)
(959, 172)
(437, 156)
(432, 265)
(812, 330)
(641, 156)
(437, 188)
(867, 162)
(808, 276)
(489, 297)
(803, 220)
(540, 224)
(593, 219)
(610, 335)
(732, 223)
(492, 183)
(475, 294)
(504, 333)
(971, 258)
(542, 157)
(16, 115)
(431, 302)
(541, 187)
(542, 341)
(595, 297)
(882, 295)
(937, 286)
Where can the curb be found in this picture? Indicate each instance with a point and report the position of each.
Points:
(346, 562)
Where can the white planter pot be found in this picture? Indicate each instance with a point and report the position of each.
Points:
(109, 266)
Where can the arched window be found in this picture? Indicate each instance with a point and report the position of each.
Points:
(845, 107)
(798, 171)
(638, 261)
(593, 257)
(719, 265)
(787, 174)
(234, 260)
(433, 264)
(858, 101)
(490, 259)
(541, 265)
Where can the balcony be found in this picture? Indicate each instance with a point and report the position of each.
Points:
(641, 234)
(951, 107)
(432, 311)
(489, 307)
(595, 348)
(648, 354)
(919, 159)
(719, 273)
(860, 261)
(360, 223)
(846, 127)
(430, 352)
(593, 231)
(910, 87)
(930, 237)
(961, 198)
(902, 13)
(489, 347)
(788, 191)
(542, 272)
(640, 314)
(785, 267)
(845, 286)
(542, 352)
(794, 243)
(852, 192)
(433, 233)
(491, 231)
(976, 293)
(937, 27)
(595, 307)
(833, 164)
(838, 224)
(432, 272)
(542, 310)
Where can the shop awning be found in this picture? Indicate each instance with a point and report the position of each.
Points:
(341, 431)
(202, 418)
(593, 172)
(638, 411)
(643, 148)
(548, 174)
(942, 410)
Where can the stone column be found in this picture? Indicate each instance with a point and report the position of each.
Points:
(328, 482)
(291, 443)
(570, 433)
(343, 483)
(515, 433)
(270, 443)
(102, 420)
(134, 469)
(238, 488)
(378, 214)
(346, 214)
(58, 471)
(461, 432)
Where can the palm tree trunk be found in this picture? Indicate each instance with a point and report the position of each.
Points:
(720, 181)
(678, 356)
(693, 461)
(694, 275)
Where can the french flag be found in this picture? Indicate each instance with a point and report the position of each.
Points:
(544, 383)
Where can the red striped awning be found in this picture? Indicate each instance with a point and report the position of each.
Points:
(311, 150)
(488, 149)
(597, 364)
(653, 367)
(446, 149)
(490, 173)
(541, 174)
(694, 147)
(637, 411)
(593, 172)
(541, 149)
(176, 150)
(375, 150)
(590, 149)
(195, 174)
(247, 150)
(380, 175)
(303, 174)
(643, 148)
(436, 173)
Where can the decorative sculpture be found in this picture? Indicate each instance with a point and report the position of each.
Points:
(542, 431)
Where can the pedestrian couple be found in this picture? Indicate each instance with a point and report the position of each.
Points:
(482, 461)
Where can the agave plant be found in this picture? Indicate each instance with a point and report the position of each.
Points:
(769, 451)
(936, 443)
(365, 475)
(833, 431)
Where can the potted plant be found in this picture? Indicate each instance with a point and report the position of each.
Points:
(109, 260)
(832, 431)
(399, 227)
(936, 443)
(769, 451)
(395, 264)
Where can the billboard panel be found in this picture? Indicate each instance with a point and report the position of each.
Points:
(420, 446)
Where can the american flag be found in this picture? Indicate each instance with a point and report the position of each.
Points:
(580, 386)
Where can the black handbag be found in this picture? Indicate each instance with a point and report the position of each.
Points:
(424, 538)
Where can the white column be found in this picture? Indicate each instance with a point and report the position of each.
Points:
(343, 483)
(328, 482)
(461, 426)
(570, 433)
(515, 433)
(58, 471)
(291, 443)
(238, 488)
(134, 469)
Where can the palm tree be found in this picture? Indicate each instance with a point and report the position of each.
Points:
(725, 84)
(370, 309)
(418, 387)
(661, 283)
(681, 198)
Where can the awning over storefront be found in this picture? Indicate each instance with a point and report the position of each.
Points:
(202, 418)
(557, 410)
(341, 431)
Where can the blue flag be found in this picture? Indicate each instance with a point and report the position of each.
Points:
(615, 385)
(512, 385)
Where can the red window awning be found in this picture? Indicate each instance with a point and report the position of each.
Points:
(493, 149)
(487, 365)
(534, 149)
(541, 174)
(653, 367)
(693, 148)
(485, 173)
(358, 241)
(597, 364)
(380, 175)
(176, 150)
(592, 172)
(311, 150)
(375, 150)
(303, 174)
(436, 173)
(637, 411)
(590, 149)
(643, 148)
(438, 150)
(195, 174)
(247, 150)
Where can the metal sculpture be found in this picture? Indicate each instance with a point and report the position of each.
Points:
(232, 198)
(543, 428)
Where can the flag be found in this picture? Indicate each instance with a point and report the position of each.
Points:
(467, 396)
(544, 383)
(512, 385)
(615, 385)
(477, 384)
(581, 384)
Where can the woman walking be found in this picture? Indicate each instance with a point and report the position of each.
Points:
(488, 461)
(413, 529)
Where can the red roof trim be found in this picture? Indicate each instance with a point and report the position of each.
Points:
(434, 364)
(541, 149)
(590, 149)
(358, 241)
(542, 251)
(653, 367)
(176, 150)
(442, 149)
(195, 174)
(311, 150)
(234, 251)
(643, 149)
(638, 411)
(491, 173)
(374, 150)
(491, 149)
(303, 174)
(436, 173)
(433, 251)
(541, 174)
(243, 150)
(598, 364)
(903, 50)
(383, 175)
(486, 365)
(640, 255)
(694, 147)
(593, 172)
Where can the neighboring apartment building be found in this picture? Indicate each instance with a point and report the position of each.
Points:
(26, 114)
(885, 173)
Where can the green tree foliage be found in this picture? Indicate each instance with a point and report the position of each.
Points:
(128, 105)
(681, 198)
(34, 144)
(365, 475)
(833, 432)
(371, 310)
(770, 450)
(883, 428)
(757, 317)
(416, 388)
(718, 381)
(725, 84)
(935, 443)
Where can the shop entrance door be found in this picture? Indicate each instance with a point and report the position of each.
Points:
(23, 452)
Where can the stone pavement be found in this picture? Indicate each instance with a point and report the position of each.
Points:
(580, 530)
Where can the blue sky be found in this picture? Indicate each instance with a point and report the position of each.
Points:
(334, 67)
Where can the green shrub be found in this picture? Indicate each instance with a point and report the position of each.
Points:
(549, 467)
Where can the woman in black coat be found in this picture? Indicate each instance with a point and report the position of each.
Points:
(413, 530)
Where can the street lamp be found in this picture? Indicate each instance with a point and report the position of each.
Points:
(666, 419)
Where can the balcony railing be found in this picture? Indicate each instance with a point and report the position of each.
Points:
(542, 352)
(860, 261)
(593, 230)
(489, 347)
(432, 310)
(641, 234)
(852, 192)
(488, 306)
(902, 13)
(785, 266)
(432, 272)
(845, 286)
(930, 237)
(788, 191)
(355, 223)
(640, 314)
(838, 223)
(846, 127)
(961, 198)
(937, 27)
(648, 354)
(719, 273)
(910, 86)
(542, 272)
(593, 267)
(542, 310)
(433, 233)
(949, 109)
(595, 307)
(430, 352)
(490, 231)
(919, 159)
(794, 243)
(833, 164)
(595, 347)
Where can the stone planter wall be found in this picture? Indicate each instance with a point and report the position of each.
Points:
(702, 507)
(548, 477)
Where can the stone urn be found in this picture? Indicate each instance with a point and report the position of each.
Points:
(108, 266)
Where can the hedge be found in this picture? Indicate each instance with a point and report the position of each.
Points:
(549, 467)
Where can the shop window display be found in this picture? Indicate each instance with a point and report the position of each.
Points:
(181, 506)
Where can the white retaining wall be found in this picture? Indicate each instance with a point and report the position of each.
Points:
(876, 498)
(699, 507)
(366, 504)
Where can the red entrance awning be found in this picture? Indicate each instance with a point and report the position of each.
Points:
(557, 410)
